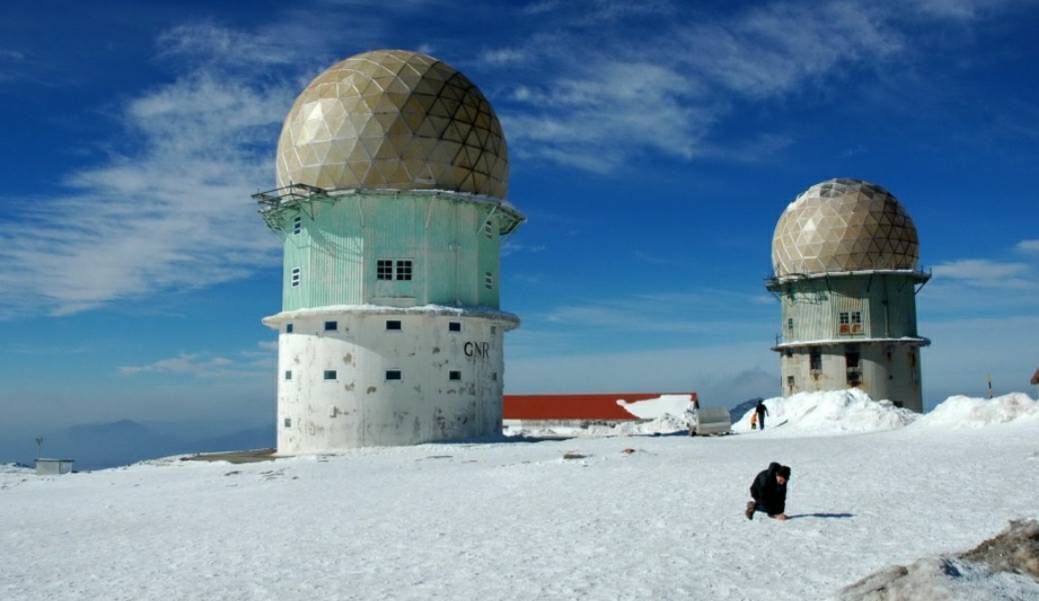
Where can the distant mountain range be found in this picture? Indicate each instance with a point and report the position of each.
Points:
(110, 444)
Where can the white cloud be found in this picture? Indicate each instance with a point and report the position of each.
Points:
(1028, 246)
(617, 97)
(246, 363)
(985, 272)
(611, 96)
(170, 212)
(504, 56)
(509, 247)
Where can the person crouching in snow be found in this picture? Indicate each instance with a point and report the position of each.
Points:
(769, 492)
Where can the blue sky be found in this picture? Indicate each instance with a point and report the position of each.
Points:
(653, 147)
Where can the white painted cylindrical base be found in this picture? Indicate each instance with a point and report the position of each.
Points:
(356, 377)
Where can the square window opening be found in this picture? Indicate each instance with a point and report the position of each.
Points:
(454, 376)
(488, 280)
(454, 326)
(393, 324)
(384, 269)
(330, 374)
(287, 422)
(331, 326)
(288, 328)
(393, 375)
(288, 374)
(297, 275)
(297, 224)
(404, 270)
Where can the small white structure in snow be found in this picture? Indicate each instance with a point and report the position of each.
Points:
(53, 467)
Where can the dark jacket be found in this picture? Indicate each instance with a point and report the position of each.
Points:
(761, 408)
(767, 492)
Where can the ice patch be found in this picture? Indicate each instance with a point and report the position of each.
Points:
(967, 412)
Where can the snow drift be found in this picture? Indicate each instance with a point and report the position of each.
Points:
(967, 412)
(831, 412)
(1003, 567)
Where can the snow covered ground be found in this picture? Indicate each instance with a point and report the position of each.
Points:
(514, 520)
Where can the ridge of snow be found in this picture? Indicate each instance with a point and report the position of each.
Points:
(827, 413)
(962, 411)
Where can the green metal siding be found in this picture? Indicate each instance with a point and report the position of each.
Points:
(344, 237)
(815, 306)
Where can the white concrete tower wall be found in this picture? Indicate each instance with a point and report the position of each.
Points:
(352, 377)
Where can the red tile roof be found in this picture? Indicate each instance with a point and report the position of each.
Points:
(601, 406)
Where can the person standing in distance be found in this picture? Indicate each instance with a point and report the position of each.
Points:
(769, 492)
(761, 411)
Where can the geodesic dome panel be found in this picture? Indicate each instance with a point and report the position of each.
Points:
(393, 119)
(844, 225)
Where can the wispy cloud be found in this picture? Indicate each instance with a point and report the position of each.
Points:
(985, 272)
(611, 99)
(246, 363)
(1028, 246)
(171, 211)
(504, 56)
(511, 247)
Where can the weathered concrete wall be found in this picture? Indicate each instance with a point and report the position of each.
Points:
(359, 406)
(886, 371)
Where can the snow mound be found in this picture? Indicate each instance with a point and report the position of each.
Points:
(14, 468)
(831, 412)
(1003, 567)
(968, 412)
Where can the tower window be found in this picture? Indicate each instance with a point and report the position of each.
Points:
(288, 328)
(494, 376)
(393, 324)
(790, 324)
(331, 326)
(815, 360)
(494, 330)
(404, 270)
(288, 374)
(394, 374)
(288, 422)
(856, 317)
(454, 326)
(488, 280)
(330, 374)
(454, 376)
(384, 269)
(790, 384)
(297, 275)
(488, 230)
(297, 224)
